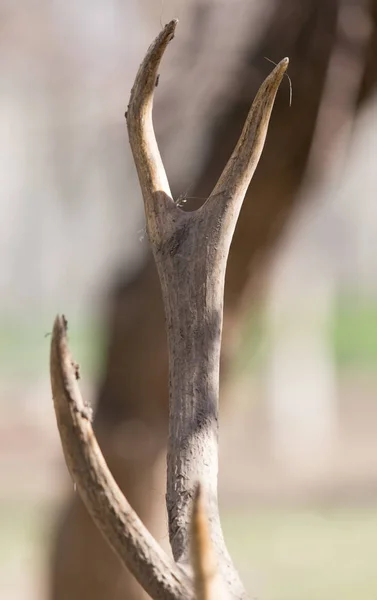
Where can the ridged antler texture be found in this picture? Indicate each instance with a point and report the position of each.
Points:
(190, 251)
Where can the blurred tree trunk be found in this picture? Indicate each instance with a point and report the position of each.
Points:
(132, 404)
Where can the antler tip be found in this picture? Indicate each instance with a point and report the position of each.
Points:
(59, 331)
(169, 29)
(60, 324)
(282, 66)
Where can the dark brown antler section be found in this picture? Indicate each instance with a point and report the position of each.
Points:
(191, 251)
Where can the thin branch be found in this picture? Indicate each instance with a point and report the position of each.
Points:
(113, 515)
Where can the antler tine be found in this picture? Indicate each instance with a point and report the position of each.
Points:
(150, 168)
(110, 510)
(203, 558)
(236, 176)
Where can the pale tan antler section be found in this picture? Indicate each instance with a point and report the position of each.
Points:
(191, 251)
(203, 557)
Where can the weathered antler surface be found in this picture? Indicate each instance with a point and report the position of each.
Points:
(190, 251)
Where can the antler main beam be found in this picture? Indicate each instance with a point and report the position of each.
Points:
(190, 251)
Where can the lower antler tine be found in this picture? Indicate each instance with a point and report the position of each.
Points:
(202, 552)
(110, 510)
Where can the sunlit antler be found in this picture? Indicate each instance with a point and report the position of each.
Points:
(190, 251)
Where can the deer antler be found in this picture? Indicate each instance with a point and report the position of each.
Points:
(114, 517)
(190, 251)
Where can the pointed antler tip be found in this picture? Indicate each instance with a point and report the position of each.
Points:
(282, 66)
(60, 325)
(170, 27)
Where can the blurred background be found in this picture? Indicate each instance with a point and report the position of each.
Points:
(298, 464)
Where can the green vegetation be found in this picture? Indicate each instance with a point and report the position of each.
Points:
(24, 344)
(304, 554)
(352, 332)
